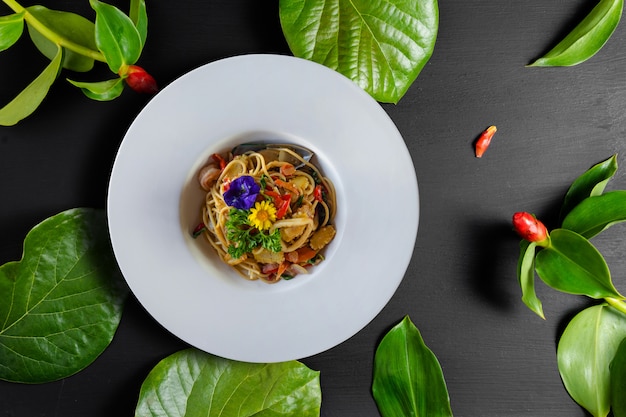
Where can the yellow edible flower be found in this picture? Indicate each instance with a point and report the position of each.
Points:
(262, 215)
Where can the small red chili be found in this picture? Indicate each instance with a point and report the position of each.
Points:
(483, 141)
(317, 193)
(284, 206)
(139, 80)
(197, 231)
(220, 160)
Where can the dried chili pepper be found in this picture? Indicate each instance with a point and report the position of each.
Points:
(483, 141)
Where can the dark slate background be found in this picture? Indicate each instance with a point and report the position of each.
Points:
(460, 289)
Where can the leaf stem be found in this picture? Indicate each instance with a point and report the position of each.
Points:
(617, 304)
(51, 35)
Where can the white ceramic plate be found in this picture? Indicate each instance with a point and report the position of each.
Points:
(154, 203)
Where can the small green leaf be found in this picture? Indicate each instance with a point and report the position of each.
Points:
(191, 383)
(101, 90)
(381, 45)
(585, 350)
(11, 28)
(61, 304)
(586, 39)
(571, 264)
(408, 379)
(67, 26)
(526, 277)
(26, 102)
(139, 16)
(595, 214)
(590, 183)
(116, 36)
(618, 376)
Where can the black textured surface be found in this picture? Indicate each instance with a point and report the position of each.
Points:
(498, 358)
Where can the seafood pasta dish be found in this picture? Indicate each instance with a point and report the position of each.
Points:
(268, 211)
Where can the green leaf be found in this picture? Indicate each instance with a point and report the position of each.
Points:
(595, 214)
(139, 16)
(526, 277)
(585, 350)
(116, 36)
(26, 102)
(408, 379)
(66, 26)
(61, 304)
(101, 90)
(573, 265)
(192, 383)
(586, 39)
(618, 376)
(381, 45)
(590, 183)
(11, 28)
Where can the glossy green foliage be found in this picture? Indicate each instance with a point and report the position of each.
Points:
(591, 183)
(11, 28)
(74, 43)
(61, 304)
(139, 16)
(526, 277)
(101, 90)
(117, 36)
(381, 45)
(27, 101)
(408, 379)
(573, 265)
(587, 38)
(618, 376)
(595, 214)
(63, 25)
(191, 383)
(585, 352)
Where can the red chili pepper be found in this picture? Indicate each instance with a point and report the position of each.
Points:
(317, 193)
(483, 141)
(529, 228)
(219, 159)
(197, 231)
(287, 186)
(139, 80)
(284, 206)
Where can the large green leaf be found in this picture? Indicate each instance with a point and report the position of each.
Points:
(11, 28)
(591, 183)
(585, 351)
(526, 277)
(117, 36)
(573, 265)
(618, 376)
(63, 27)
(191, 383)
(61, 304)
(27, 101)
(586, 39)
(380, 45)
(408, 380)
(595, 214)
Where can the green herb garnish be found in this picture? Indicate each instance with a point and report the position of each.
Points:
(246, 237)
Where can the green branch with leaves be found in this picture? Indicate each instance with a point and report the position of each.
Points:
(74, 43)
(591, 352)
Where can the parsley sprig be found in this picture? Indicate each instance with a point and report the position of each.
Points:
(246, 237)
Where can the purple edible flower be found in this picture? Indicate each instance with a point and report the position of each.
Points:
(242, 192)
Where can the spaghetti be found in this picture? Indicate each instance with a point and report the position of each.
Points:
(268, 212)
